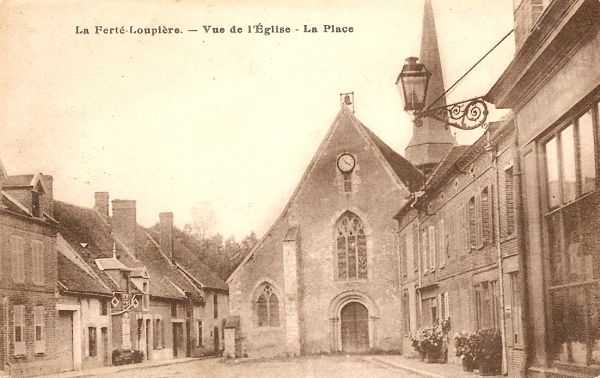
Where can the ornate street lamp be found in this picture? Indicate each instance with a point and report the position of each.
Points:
(414, 80)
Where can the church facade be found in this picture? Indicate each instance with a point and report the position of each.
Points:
(325, 277)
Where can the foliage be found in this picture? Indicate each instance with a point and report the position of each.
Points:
(464, 345)
(429, 339)
(486, 345)
(222, 256)
(127, 356)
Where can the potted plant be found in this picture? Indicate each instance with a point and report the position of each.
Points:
(415, 341)
(429, 342)
(464, 350)
(487, 346)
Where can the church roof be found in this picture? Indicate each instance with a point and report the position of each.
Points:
(406, 172)
(402, 170)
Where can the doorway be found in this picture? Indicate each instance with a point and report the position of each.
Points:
(65, 340)
(105, 349)
(177, 339)
(355, 328)
(216, 340)
(148, 325)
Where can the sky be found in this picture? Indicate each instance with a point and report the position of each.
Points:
(223, 123)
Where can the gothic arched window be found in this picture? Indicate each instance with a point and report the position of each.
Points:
(267, 307)
(351, 248)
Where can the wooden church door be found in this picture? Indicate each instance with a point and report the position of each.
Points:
(355, 328)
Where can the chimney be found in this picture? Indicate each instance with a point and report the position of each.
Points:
(101, 203)
(47, 200)
(166, 235)
(124, 222)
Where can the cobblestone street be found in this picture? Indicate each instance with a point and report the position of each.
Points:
(330, 367)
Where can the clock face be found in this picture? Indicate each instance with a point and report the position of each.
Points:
(346, 162)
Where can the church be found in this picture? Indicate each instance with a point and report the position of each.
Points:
(325, 277)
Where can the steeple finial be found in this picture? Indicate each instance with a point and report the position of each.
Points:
(431, 139)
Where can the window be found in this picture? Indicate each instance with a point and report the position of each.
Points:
(432, 248)
(199, 329)
(92, 342)
(415, 247)
(103, 307)
(509, 202)
(267, 307)
(18, 258)
(145, 296)
(405, 313)
(487, 229)
(571, 228)
(215, 306)
(465, 226)
(487, 305)
(351, 243)
(37, 262)
(156, 336)
(35, 203)
(19, 329)
(403, 257)
(443, 243)
(425, 249)
(515, 307)
(173, 310)
(430, 311)
(347, 182)
(38, 330)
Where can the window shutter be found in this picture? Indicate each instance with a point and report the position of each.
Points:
(442, 250)
(39, 331)
(509, 201)
(37, 259)
(425, 250)
(432, 248)
(19, 332)
(447, 305)
(415, 246)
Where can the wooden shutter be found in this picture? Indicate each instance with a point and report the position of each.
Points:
(37, 259)
(509, 201)
(442, 242)
(415, 247)
(432, 248)
(39, 331)
(18, 329)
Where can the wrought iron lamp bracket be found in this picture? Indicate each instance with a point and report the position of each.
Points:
(465, 115)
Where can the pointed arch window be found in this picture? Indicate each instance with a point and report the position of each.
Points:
(351, 246)
(267, 307)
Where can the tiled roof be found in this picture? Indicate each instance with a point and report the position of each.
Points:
(74, 279)
(18, 180)
(83, 225)
(186, 255)
(406, 172)
(445, 166)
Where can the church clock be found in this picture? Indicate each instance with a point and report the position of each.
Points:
(346, 162)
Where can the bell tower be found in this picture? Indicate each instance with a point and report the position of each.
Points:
(431, 139)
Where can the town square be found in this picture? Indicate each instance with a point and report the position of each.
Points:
(300, 189)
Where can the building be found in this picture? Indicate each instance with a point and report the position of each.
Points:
(28, 345)
(155, 305)
(324, 277)
(84, 316)
(460, 245)
(553, 87)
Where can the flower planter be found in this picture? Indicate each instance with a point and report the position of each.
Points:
(468, 364)
(487, 367)
(433, 357)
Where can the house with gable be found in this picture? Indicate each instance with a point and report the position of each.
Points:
(28, 275)
(155, 306)
(324, 278)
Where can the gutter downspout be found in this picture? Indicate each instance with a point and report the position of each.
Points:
(6, 333)
(494, 152)
(520, 229)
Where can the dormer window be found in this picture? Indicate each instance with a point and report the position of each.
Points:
(35, 203)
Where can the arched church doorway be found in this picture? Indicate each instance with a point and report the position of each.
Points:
(355, 328)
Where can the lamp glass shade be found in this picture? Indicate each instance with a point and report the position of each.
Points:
(413, 80)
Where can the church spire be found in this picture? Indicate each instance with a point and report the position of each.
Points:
(432, 140)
